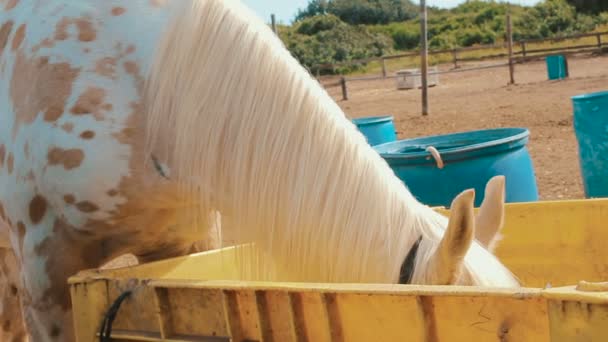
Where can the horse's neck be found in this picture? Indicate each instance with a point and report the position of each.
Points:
(259, 139)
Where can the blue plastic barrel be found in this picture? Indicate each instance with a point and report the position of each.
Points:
(557, 67)
(377, 129)
(591, 129)
(470, 160)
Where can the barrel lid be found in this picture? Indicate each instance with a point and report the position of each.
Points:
(372, 120)
(589, 96)
(455, 146)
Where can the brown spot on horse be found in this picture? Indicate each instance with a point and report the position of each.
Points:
(133, 69)
(47, 43)
(106, 67)
(38, 207)
(19, 36)
(87, 135)
(70, 159)
(5, 31)
(86, 32)
(90, 102)
(118, 11)
(10, 4)
(69, 199)
(52, 114)
(49, 83)
(68, 127)
(2, 155)
(10, 161)
(21, 234)
(60, 266)
(87, 207)
(158, 3)
(61, 29)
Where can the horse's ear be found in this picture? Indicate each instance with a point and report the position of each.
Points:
(447, 261)
(490, 218)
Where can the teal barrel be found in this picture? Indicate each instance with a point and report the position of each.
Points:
(591, 130)
(377, 129)
(557, 67)
(470, 160)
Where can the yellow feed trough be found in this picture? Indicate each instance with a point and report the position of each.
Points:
(196, 298)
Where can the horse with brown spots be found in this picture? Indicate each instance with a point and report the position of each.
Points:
(126, 126)
(74, 191)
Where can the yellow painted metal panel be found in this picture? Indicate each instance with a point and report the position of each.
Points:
(576, 321)
(363, 317)
(311, 316)
(89, 302)
(488, 318)
(560, 243)
(557, 243)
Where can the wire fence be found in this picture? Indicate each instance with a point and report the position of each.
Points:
(523, 51)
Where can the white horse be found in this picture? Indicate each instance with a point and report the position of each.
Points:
(125, 123)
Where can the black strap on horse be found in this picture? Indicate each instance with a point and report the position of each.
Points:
(407, 268)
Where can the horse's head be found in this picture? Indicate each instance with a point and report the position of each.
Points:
(246, 131)
(462, 256)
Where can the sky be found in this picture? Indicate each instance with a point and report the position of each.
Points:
(285, 10)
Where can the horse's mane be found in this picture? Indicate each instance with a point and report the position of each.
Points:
(247, 131)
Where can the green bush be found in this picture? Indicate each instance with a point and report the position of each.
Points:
(314, 7)
(357, 12)
(331, 31)
(406, 39)
(602, 18)
(313, 25)
(324, 39)
(590, 6)
(404, 36)
(474, 36)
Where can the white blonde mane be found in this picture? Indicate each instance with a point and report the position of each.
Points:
(247, 131)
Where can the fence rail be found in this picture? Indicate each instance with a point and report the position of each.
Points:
(522, 55)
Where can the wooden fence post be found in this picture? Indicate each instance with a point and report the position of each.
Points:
(273, 20)
(510, 45)
(455, 57)
(523, 47)
(599, 41)
(383, 67)
(344, 89)
(424, 51)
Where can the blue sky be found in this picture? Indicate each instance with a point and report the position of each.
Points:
(286, 9)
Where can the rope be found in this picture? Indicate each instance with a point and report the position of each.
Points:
(105, 332)
(433, 151)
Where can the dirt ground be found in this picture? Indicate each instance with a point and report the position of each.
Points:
(483, 99)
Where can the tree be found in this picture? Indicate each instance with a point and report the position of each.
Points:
(357, 12)
(314, 7)
(590, 6)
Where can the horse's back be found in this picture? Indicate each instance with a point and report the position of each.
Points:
(71, 81)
